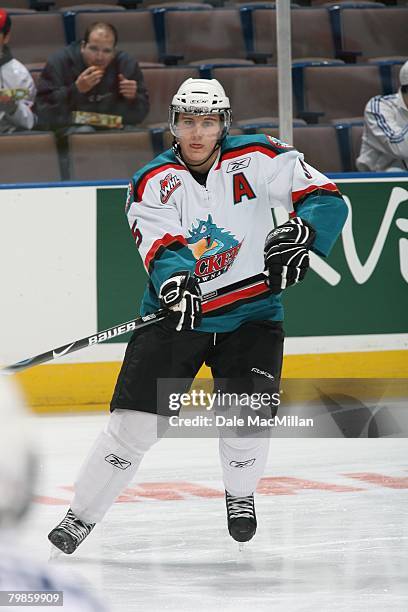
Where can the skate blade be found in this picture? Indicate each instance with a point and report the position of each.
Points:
(241, 547)
(55, 553)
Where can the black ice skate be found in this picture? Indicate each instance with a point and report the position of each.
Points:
(241, 517)
(69, 533)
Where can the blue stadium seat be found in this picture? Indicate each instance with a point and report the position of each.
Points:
(312, 35)
(240, 81)
(29, 157)
(108, 156)
(335, 92)
(202, 35)
(75, 5)
(368, 33)
(35, 36)
(162, 83)
(319, 144)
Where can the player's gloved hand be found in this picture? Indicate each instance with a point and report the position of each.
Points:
(286, 253)
(181, 295)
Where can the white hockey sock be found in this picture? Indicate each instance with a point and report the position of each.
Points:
(112, 462)
(243, 463)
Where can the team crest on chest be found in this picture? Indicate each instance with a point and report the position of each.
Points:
(168, 185)
(214, 248)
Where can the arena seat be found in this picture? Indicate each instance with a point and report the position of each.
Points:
(260, 3)
(337, 92)
(372, 33)
(318, 143)
(135, 29)
(329, 3)
(183, 4)
(395, 70)
(29, 157)
(241, 81)
(16, 5)
(253, 126)
(311, 33)
(199, 35)
(356, 134)
(36, 36)
(74, 5)
(108, 156)
(162, 83)
(23, 8)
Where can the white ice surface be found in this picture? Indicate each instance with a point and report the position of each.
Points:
(315, 549)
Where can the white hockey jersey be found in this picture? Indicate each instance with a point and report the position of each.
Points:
(218, 230)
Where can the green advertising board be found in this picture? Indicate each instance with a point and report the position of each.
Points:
(361, 288)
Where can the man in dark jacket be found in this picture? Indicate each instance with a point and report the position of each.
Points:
(90, 85)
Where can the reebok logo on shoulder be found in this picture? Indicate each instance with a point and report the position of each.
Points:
(116, 461)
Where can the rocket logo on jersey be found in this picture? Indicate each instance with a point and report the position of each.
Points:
(215, 249)
(168, 185)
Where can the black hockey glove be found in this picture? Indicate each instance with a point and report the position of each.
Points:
(286, 253)
(181, 295)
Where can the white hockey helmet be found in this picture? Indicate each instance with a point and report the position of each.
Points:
(201, 97)
(17, 461)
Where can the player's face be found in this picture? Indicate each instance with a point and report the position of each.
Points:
(99, 50)
(197, 136)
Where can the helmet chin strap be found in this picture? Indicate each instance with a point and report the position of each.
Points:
(189, 165)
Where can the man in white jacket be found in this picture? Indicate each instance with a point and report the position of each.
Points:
(15, 114)
(384, 147)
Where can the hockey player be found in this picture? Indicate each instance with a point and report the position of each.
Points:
(17, 475)
(200, 215)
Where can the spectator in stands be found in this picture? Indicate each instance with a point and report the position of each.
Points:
(17, 89)
(384, 147)
(89, 85)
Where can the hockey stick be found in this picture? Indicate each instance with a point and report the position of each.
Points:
(253, 283)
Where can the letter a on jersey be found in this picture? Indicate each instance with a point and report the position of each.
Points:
(242, 188)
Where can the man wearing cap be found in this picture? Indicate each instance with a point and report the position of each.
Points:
(384, 147)
(17, 89)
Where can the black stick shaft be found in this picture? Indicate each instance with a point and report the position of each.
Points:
(123, 328)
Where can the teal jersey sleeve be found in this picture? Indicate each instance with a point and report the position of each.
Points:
(327, 213)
